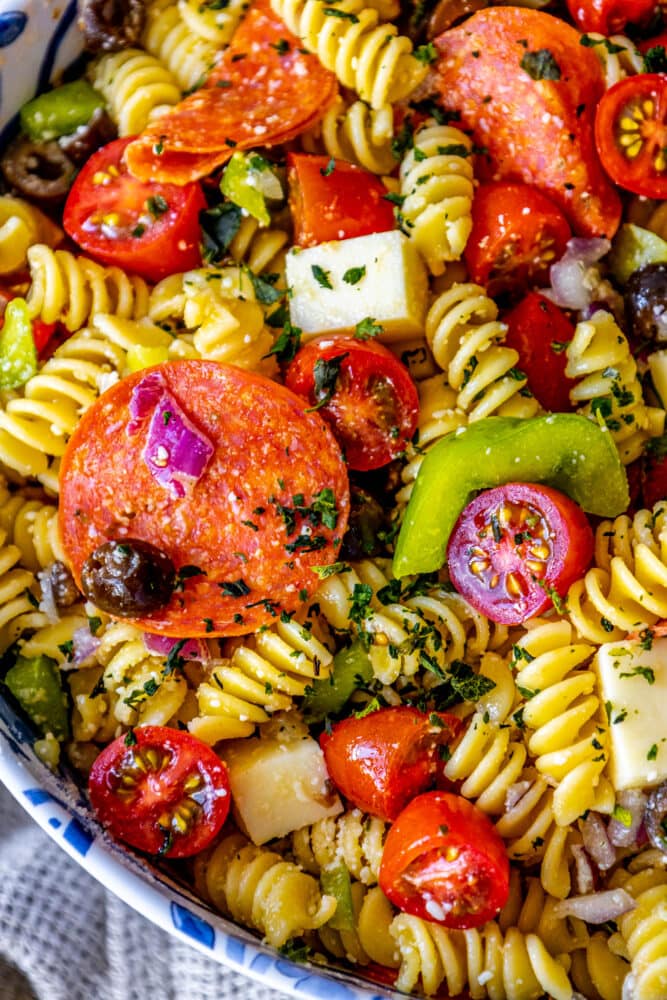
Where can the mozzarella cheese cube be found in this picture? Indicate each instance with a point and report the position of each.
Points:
(278, 785)
(380, 276)
(633, 682)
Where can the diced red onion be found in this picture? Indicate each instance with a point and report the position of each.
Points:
(597, 842)
(572, 284)
(176, 452)
(515, 793)
(47, 604)
(596, 306)
(583, 873)
(162, 645)
(619, 834)
(596, 907)
(84, 646)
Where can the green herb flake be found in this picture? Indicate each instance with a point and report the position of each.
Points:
(234, 588)
(329, 168)
(326, 373)
(353, 275)
(367, 328)
(540, 65)
(321, 276)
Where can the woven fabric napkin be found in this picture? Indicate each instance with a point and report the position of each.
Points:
(63, 937)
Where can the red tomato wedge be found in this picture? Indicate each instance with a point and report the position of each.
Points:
(380, 761)
(609, 16)
(265, 90)
(271, 503)
(146, 228)
(517, 548)
(540, 332)
(444, 862)
(334, 200)
(517, 233)
(161, 790)
(363, 392)
(631, 134)
(527, 90)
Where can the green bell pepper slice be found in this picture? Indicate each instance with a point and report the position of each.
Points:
(60, 111)
(564, 450)
(248, 181)
(327, 697)
(335, 881)
(18, 357)
(634, 248)
(35, 683)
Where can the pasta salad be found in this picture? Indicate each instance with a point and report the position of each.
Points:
(333, 473)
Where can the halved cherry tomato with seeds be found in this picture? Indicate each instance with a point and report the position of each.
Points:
(161, 790)
(517, 234)
(540, 332)
(444, 862)
(517, 548)
(379, 761)
(631, 134)
(363, 391)
(609, 16)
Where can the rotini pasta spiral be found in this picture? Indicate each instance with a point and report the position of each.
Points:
(466, 338)
(644, 932)
(212, 21)
(259, 889)
(437, 191)
(369, 939)
(618, 55)
(21, 225)
(599, 357)
(31, 524)
(170, 38)
(18, 593)
(93, 718)
(137, 87)
(366, 56)
(356, 133)
(261, 250)
(352, 838)
(597, 971)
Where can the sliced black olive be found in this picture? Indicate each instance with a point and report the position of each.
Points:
(111, 25)
(39, 170)
(128, 577)
(86, 140)
(655, 819)
(367, 518)
(65, 591)
(646, 303)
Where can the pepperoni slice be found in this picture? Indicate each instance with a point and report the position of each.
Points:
(271, 502)
(265, 90)
(527, 89)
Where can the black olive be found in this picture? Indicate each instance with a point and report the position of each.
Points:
(128, 578)
(111, 25)
(65, 592)
(366, 519)
(88, 138)
(646, 303)
(655, 819)
(39, 170)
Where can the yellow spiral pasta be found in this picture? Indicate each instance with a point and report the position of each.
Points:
(261, 250)
(137, 87)
(19, 593)
(352, 838)
(599, 357)
(21, 225)
(534, 911)
(437, 190)
(627, 587)
(597, 971)
(366, 55)
(256, 887)
(169, 37)
(618, 56)
(212, 21)
(368, 940)
(466, 337)
(643, 931)
(357, 133)
(93, 718)
(31, 524)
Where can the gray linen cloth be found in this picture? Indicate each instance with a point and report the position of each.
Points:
(63, 937)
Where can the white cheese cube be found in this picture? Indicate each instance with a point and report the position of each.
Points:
(278, 785)
(633, 682)
(386, 281)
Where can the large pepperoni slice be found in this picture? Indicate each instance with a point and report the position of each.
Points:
(264, 90)
(243, 487)
(527, 90)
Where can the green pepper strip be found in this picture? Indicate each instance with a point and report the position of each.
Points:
(327, 697)
(564, 450)
(35, 683)
(18, 357)
(238, 184)
(335, 881)
(61, 111)
(634, 248)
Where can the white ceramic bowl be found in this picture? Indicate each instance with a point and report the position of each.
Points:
(38, 38)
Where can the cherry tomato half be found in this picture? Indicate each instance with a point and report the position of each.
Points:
(163, 791)
(540, 332)
(363, 391)
(631, 133)
(443, 861)
(147, 228)
(609, 16)
(517, 547)
(517, 233)
(334, 200)
(380, 761)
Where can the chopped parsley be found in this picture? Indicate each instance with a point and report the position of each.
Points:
(367, 328)
(321, 276)
(326, 372)
(540, 65)
(234, 588)
(329, 168)
(186, 573)
(353, 275)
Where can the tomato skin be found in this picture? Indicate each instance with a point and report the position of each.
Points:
(652, 43)
(608, 16)
(536, 131)
(654, 475)
(374, 407)
(381, 760)
(515, 545)
(334, 204)
(444, 862)
(517, 233)
(169, 243)
(137, 817)
(643, 172)
(540, 331)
